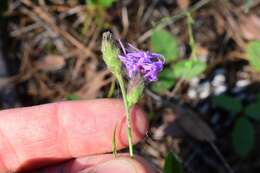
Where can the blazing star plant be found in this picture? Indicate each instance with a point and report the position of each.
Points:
(141, 66)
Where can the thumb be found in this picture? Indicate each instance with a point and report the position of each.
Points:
(120, 165)
(105, 163)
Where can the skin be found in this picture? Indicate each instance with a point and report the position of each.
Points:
(69, 137)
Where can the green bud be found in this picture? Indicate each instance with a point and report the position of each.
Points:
(110, 53)
(135, 90)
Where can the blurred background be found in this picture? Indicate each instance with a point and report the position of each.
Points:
(204, 110)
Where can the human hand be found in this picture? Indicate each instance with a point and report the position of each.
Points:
(60, 137)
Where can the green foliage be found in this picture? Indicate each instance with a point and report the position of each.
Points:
(253, 111)
(164, 43)
(72, 97)
(165, 82)
(227, 103)
(172, 164)
(187, 69)
(243, 137)
(253, 53)
(150, 115)
(101, 3)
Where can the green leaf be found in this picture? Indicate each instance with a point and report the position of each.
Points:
(165, 82)
(227, 103)
(72, 97)
(101, 3)
(164, 43)
(253, 53)
(243, 137)
(253, 111)
(188, 69)
(172, 164)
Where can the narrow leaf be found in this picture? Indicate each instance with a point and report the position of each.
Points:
(243, 137)
(72, 97)
(114, 146)
(101, 3)
(172, 164)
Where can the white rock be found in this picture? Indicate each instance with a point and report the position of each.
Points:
(192, 93)
(219, 89)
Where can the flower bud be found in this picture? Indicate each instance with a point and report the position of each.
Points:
(135, 90)
(110, 53)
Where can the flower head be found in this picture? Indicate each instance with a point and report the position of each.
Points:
(144, 63)
(110, 53)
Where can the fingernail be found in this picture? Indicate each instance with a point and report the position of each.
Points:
(114, 166)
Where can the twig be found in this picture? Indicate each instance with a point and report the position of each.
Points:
(149, 11)
(171, 19)
(227, 166)
(125, 21)
(44, 16)
(177, 87)
(25, 29)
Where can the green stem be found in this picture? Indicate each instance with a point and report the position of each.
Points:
(127, 111)
(112, 88)
(191, 37)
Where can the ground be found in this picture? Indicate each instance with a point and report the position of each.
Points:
(50, 51)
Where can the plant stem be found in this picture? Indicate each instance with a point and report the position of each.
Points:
(191, 37)
(127, 112)
(112, 88)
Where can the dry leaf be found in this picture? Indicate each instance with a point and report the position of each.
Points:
(94, 82)
(51, 63)
(183, 4)
(250, 27)
(173, 130)
(5, 81)
(191, 123)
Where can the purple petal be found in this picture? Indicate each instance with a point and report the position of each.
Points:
(140, 62)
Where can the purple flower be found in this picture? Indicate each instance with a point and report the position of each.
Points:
(145, 63)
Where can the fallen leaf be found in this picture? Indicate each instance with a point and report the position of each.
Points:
(250, 27)
(192, 124)
(183, 4)
(51, 63)
(94, 82)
